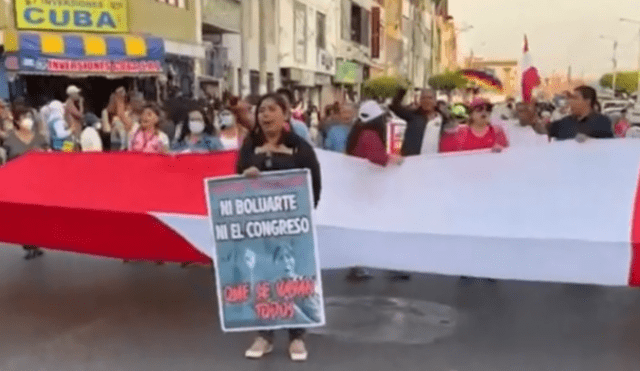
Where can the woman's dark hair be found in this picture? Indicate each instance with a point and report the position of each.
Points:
(156, 109)
(379, 125)
(289, 94)
(208, 126)
(257, 135)
(19, 110)
(589, 94)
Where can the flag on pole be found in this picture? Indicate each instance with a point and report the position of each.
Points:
(530, 76)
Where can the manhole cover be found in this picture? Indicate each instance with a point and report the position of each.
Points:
(378, 320)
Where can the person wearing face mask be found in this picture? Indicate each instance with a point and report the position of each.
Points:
(23, 138)
(197, 135)
(20, 141)
(230, 134)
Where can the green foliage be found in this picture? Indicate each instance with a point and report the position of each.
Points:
(383, 87)
(448, 81)
(625, 81)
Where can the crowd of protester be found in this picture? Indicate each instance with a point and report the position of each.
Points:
(275, 133)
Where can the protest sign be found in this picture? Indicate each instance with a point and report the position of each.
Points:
(266, 261)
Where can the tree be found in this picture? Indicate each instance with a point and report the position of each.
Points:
(625, 81)
(383, 87)
(448, 82)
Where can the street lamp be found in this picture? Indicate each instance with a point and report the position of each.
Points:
(638, 23)
(615, 61)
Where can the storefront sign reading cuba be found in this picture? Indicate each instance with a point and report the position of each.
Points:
(72, 15)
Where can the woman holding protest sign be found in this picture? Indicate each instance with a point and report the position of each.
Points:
(271, 146)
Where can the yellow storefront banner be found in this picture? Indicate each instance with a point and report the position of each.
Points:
(72, 15)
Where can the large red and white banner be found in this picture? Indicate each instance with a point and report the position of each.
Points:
(567, 212)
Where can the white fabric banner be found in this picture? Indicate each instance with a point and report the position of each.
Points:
(557, 213)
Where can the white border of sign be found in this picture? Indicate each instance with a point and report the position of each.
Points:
(319, 286)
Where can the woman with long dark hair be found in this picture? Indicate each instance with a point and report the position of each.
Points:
(197, 135)
(22, 139)
(271, 146)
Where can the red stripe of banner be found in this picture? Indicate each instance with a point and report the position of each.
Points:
(634, 274)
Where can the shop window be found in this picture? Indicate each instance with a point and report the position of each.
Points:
(177, 3)
(321, 41)
(300, 36)
(270, 82)
(254, 83)
(360, 25)
(356, 18)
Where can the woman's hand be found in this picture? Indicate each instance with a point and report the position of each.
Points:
(581, 138)
(497, 148)
(251, 172)
(396, 160)
(242, 111)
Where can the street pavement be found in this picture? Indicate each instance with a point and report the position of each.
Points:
(71, 312)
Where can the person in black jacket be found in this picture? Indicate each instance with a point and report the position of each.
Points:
(424, 125)
(272, 146)
(585, 121)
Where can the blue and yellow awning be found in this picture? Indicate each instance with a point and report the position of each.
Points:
(41, 52)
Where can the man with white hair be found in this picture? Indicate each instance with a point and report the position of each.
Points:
(424, 124)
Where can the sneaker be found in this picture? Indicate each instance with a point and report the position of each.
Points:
(297, 351)
(398, 276)
(259, 348)
(359, 274)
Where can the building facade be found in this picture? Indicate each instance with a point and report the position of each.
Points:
(149, 42)
(221, 29)
(308, 48)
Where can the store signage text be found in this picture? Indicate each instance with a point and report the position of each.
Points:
(105, 66)
(72, 15)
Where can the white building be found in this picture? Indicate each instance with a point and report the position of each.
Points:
(354, 46)
(230, 24)
(308, 45)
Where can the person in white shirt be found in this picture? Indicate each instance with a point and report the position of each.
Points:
(524, 131)
(90, 137)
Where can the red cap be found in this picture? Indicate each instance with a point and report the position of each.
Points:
(479, 102)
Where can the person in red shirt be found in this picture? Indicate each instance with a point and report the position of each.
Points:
(367, 138)
(621, 126)
(478, 134)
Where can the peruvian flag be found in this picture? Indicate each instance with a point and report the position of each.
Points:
(530, 76)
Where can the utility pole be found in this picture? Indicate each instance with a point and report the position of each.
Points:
(615, 61)
(638, 23)
(263, 47)
(244, 47)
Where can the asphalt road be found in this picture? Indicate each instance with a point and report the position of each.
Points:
(70, 312)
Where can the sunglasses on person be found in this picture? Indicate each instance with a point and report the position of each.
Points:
(483, 108)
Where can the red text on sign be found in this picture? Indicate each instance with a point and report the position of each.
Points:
(236, 294)
(275, 310)
(297, 288)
